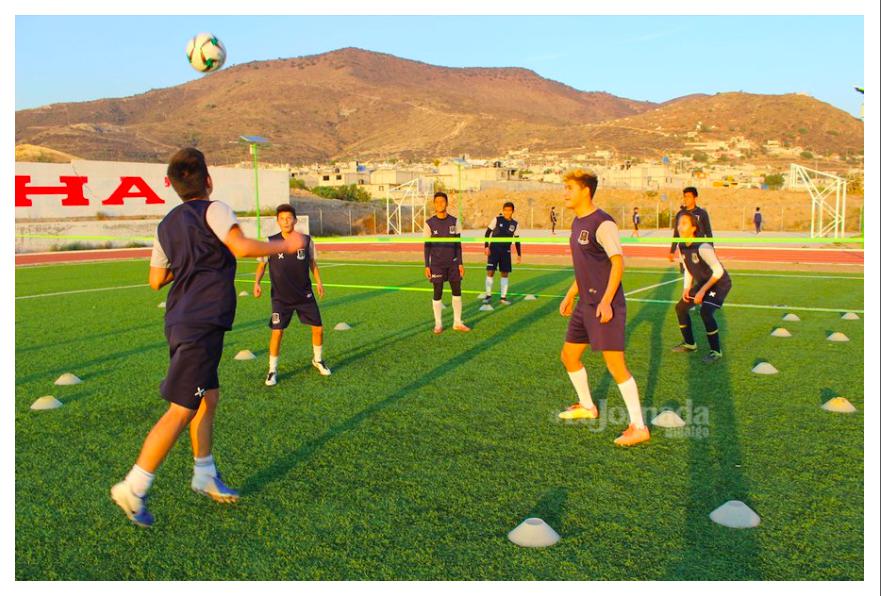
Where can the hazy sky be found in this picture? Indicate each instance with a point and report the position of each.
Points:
(653, 58)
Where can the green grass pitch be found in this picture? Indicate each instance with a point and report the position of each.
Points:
(421, 452)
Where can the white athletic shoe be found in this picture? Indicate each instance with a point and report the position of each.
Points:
(322, 368)
(134, 507)
(271, 378)
(213, 486)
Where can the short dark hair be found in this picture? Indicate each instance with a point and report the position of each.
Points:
(690, 189)
(188, 173)
(441, 194)
(285, 208)
(757, 208)
(508, 204)
(691, 217)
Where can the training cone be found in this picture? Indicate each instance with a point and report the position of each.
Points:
(838, 336)
(735, 514)
(161, 304)
(243, 294)
(791, 317)
(246, 355)
(530, 297)
(47, 402)
(341, 327)
(840, 405)
(481, 296)
(781, 332)
(850, 316)
(486, 307)
(668, 419)
(765, 368)
(534, 533)
(68, 379)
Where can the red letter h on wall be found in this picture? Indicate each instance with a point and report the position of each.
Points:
(71, 187)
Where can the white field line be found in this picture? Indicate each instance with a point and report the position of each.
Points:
(760, 306)
(80, 291)
(663, 283)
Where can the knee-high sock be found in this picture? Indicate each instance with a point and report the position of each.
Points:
(504, 285)
(682, 308)
(457, 310)
(631, 399)
(489, 285)
(437, 306)
(579, 381)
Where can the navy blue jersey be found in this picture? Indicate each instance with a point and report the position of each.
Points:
(757, 218)
(502, 228)
(442, 254)
(203, 292)
(704, 230)
(592, 265)
(636, 219)
(289, 274)
(700, 270)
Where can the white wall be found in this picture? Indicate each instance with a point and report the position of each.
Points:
(234, 186)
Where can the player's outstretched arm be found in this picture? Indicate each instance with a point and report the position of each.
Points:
(160, 277)
(242, 246)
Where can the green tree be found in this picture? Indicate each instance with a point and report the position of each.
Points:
(774, 181)
(297, 183)
(806, 155)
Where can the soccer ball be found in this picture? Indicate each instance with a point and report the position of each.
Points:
(205, 53)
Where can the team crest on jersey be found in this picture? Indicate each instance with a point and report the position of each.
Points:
(301, 254)
(276, 318)
(694, 258)
(512, 227)
(452, 229)
(583, 237)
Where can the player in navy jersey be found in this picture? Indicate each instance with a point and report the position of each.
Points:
(707, 284)
(704, 229)
(291, 292)
(599, 317)
(636, 219)
(443, 262)
(499, 253)
(195, 250)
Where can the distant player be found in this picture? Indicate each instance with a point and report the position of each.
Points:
(599, 317)
(291, 292)
(689, 205)
(443, 262)
(706, 284)
(553, 222)
(195, 250)
(757, 220)
(499, 253)
(636, 219)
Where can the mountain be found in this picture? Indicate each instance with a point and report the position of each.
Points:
(353, 103)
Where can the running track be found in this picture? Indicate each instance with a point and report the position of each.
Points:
(765, 254)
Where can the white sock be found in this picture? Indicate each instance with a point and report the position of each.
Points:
(489, 285)
(204, 466)
(273, 364)
(504, 284)
(631, 398)
(457, 310)
(579, 381)
(316, 353)
(139, 480)
(437, 306)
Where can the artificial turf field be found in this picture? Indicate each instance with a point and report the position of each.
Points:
(420, 452)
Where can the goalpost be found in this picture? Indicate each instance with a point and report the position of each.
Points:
(412, 194)
(828, 194)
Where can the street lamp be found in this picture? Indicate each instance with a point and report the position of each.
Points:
(459, 163)
(253, 143)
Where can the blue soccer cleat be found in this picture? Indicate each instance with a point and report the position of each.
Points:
(213, 486)
(134, 507)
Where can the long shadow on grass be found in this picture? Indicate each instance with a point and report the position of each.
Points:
(283, 466)
(711, 551)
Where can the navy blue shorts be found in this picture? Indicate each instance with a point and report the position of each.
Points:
(585, 328)
(716, 295)
(282, 314)
(194, 356)
(441, 274)
(499, 259)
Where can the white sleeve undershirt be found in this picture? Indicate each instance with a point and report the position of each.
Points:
(608, 237)
(709, 256)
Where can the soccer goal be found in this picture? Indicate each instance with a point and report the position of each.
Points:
(828, 194)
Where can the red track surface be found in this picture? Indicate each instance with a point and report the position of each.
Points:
(765, 254)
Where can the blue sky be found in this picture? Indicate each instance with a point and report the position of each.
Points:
(653, 58)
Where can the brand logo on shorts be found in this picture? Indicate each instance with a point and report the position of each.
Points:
(276, 318)
(199, 392)
(281, 255)
(694, 258)
(301, 254)
(583, 237)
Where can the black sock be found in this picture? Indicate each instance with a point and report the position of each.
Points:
(685, 321)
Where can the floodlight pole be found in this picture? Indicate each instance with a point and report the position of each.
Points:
(253, 147)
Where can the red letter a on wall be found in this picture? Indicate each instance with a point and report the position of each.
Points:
(130, 187)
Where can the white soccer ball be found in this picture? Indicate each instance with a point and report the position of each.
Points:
(205, 53)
